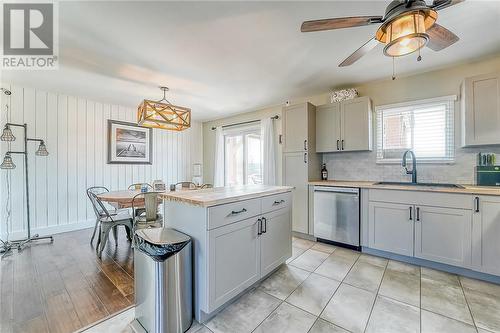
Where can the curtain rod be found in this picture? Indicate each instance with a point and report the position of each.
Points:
(246, 122)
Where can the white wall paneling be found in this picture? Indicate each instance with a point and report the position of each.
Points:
(75, 131)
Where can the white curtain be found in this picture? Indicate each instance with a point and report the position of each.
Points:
(268, 151)
(219, 158)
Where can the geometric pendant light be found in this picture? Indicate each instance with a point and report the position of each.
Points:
(163, 114)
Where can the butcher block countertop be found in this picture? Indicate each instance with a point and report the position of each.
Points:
(468, 189)
(223, 195)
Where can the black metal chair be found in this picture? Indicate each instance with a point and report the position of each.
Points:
(138, 186)
(108, 221)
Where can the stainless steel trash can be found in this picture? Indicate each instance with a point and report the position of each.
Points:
(163, 280)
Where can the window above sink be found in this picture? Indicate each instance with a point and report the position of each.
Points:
(424, 126)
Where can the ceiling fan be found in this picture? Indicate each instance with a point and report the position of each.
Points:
(407, 26)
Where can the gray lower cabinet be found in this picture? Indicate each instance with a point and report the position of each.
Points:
(234, 252)
(443, 235)
(276, 241)
(486, 235)
(390, 227)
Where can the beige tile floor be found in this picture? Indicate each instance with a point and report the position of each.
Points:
(327, 289)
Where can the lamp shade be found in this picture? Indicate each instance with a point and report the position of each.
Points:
(7, 162)
(42, 150)
(7, 134)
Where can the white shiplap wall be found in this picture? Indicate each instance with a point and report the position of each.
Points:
(75, 131)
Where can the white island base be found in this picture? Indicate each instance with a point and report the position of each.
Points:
(240, 235)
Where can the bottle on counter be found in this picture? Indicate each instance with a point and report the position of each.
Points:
(324, 172)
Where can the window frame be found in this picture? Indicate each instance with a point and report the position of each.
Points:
(450, 120)
(241, 131)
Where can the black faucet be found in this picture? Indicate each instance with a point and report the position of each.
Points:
(413, 171)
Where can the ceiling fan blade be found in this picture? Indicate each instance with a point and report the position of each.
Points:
(441, 4)
(339, 23)
(440, 37)
(367, 47)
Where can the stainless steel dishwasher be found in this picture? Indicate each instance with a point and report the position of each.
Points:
(336, 215)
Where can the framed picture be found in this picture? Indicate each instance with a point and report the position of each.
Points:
(129, 143)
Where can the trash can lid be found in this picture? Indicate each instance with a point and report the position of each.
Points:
(162, 236)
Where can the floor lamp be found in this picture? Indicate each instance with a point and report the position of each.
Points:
(9, 164)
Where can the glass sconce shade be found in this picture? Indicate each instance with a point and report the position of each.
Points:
(7, 134)
(42, 150)
(7, 162)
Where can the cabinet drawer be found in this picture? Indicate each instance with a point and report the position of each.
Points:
(275, 202)
(424, 198)
(219, 216)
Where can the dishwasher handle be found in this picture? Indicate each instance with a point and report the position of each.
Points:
(345, 190)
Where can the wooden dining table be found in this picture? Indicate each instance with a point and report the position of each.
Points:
(123, 198)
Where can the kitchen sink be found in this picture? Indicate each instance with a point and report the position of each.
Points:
(421, 184)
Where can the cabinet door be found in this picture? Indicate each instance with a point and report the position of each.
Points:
(295, 128)
(276, 241)
(482, 110)
(328, 128)
(443, 235)
(356, 125)
(390, 227)
(295, 168)
(234, 260)
(486, 235)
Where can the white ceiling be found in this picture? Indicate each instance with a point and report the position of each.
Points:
(221, 58)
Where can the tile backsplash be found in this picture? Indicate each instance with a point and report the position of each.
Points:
(363, 166)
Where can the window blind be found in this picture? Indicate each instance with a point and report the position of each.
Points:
(425, 126)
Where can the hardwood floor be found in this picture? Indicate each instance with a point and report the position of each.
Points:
(62, 287)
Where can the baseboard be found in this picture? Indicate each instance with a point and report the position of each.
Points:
(434, 265)
(52, 230)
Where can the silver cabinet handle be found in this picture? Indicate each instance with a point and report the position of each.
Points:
(305, 145)
(476, 200)
(280, 139)
(238, 212)
(305, 157)
(259, 227)
(264, 221)
(278, 202)
(418, 213)
(411, 213)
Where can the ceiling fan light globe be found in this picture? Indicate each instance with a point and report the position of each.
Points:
(406, 45)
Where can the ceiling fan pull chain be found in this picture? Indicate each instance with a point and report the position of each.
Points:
(393, 70)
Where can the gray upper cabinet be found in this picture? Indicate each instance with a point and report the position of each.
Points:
(481, 110)
(344, 126)
(298, 127)
(486, 234)
(328, 128)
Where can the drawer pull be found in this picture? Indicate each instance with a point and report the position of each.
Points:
(259, 227)
(278, 202)
(264, 229)
(411, 210)
(238, 212)
(418, 213)
(476, 201)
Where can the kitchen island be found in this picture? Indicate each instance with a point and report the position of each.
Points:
(240, 235)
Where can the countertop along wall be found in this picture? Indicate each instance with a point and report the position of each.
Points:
(75, 132)
(363, 166)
